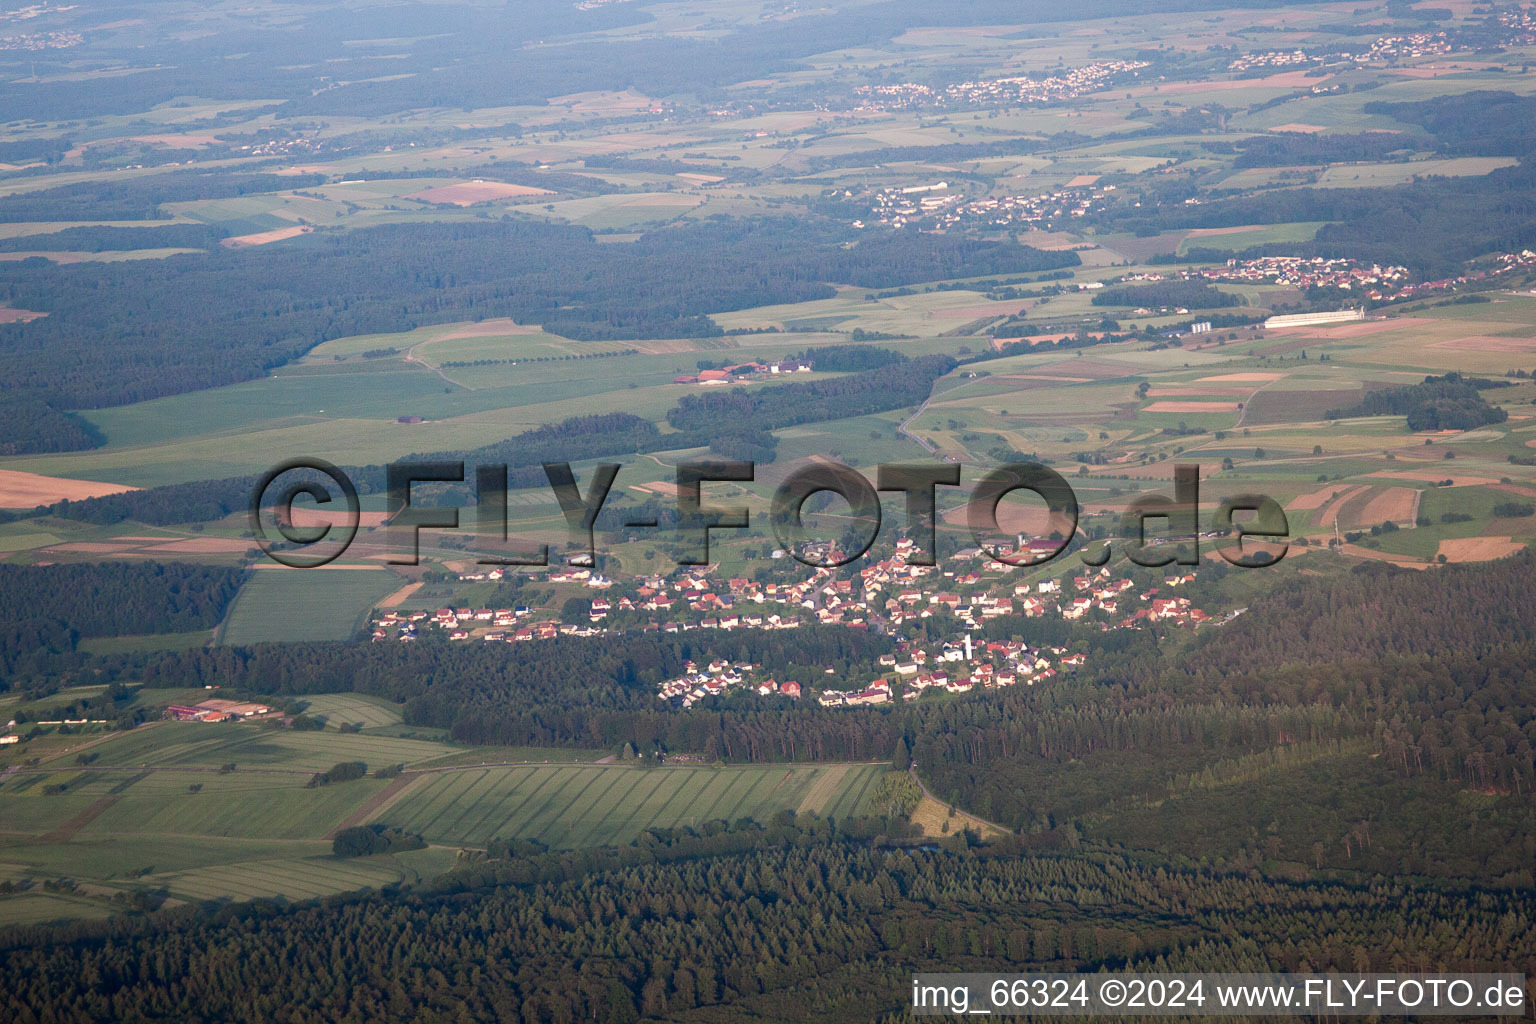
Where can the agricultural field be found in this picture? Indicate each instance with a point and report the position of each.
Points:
(569, 806)
(227, 812)
(311, 604)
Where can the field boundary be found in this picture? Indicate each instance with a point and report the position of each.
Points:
(376, 804)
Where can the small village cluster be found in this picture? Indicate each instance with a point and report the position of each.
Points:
(965, 666)
(283, 147)
(1525, 259)
(1383, 48)
(892, 595)
(1371, 280)
(1000, 91)
(1521, 25)
(715, 678)
(1300, 272)
(1273, 59)
(934, 206)
(1413, 44)
(41, 41)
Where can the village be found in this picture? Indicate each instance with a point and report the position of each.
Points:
(1371, 281)
(994, 91)
(934, 206)
(1383, 48)
(893, 596)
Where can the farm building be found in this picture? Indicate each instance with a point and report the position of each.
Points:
(215, 711)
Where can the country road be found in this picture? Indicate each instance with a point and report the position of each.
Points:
(981, 823)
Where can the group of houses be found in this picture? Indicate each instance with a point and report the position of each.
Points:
(1381, 49)
(898, 208)
(715, 678)
(894, 595)
(1017, 89)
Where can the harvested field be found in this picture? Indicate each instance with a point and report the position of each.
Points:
(662, 487)
(470, 192)
(1192, 407)
(302, 516)
(1013, 516)
(1394, 505)
(1194, 392)
(19, 316)
(27, 490)
(1249, 377)
(398, 597)
(1478, 549)
(1082, 180)
(1331, 511)
(1314, 499)
(489, 329)
(263, 237)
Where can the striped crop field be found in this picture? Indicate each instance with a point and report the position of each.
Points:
(340, 709)
(201, 744)
(301, 877)
(243, 805)
(581, 805)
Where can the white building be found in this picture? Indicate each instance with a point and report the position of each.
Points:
(1337, 316)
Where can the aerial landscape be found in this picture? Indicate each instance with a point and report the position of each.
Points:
(712, 510)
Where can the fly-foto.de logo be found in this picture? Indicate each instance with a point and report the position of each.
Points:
(914, 487)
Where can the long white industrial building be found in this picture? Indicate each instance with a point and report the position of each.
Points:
(1337, 316)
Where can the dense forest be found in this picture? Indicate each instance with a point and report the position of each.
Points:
(103, 238)
(1438, 403)
(44, 610)
(31, 425)
(794, 919)
(1288, 149)
(1189, 294)
(1479, 123)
